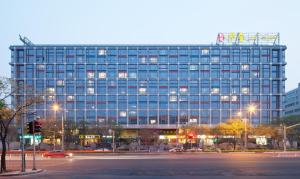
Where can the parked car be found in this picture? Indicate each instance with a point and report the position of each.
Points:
(176, 149)
(57, 154)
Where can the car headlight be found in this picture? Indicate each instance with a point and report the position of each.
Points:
(70, 154)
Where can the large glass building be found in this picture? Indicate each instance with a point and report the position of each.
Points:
(155, 86)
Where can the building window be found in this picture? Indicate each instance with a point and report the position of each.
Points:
(102, 75)
(90, 90)
(153, 60)
(70, 98)
(90, 74)
(245, 67)
(224, 98)
(142, 90)
(245, 90)
(50, 90)
(152, 121)
(40, 67)
(193, 67)
(132, 75)
(193, 120)
(215, 59)
(234, 98)
(123, 114)
(173, 98)
(60, 82)
(122, 75)
(215, 90)
(51, 98)
(101, 52)
(205, 51)
(183, 89)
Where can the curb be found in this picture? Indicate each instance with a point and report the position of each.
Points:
(18, 173)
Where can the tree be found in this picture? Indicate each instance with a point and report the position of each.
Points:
(8, 112)
(233, 127)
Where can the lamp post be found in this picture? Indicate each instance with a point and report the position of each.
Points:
(56, 108)
(251, 109)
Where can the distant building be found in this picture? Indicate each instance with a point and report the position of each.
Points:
(292, 102)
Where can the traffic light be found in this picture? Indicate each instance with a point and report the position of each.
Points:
(37, 126)
(30, 127)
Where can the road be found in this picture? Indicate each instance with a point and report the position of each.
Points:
(181, 165)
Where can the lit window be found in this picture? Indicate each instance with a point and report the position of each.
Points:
(245, 90)
(234, 98)
(205, 51)
(123, 114)
(193, 120)
(224, 98)
(50, 90)
(102, 75)
(101, 120)
(215, 90)
(90, 74)
(101, 52)
(153, 60)
(173, 98)
(70, 98)
(193, 67)
(152, 121)
(143, 60)
(215, 59)
(142, 90)
(122, 74)
(90, 90)
(245, 67)
(60, 82)
(183, 89)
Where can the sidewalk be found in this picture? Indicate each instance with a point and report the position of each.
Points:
(19, 173)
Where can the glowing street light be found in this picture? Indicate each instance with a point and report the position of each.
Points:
(251, 109)
(56, 108)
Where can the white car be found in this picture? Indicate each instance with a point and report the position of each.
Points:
(176, 149)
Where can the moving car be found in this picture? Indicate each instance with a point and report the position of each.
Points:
(57, 154)
(176, 149)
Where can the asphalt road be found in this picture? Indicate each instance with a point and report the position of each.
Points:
(149, 166)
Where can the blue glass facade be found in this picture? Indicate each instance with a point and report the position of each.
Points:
(153, 85)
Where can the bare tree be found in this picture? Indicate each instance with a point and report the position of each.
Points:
(8, 112)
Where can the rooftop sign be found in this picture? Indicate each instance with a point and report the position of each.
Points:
(248, 38)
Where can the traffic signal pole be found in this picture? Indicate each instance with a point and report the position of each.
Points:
(22, 145)
(33, 156)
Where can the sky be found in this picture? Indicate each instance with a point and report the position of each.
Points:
(147, 22)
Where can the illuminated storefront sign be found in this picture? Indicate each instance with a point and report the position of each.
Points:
(248, 38)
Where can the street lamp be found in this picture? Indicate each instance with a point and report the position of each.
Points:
(251, 109)
(56, 108)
